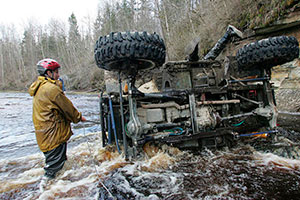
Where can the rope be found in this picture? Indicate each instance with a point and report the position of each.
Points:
(97, 172)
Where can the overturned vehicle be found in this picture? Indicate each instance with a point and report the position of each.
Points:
(201, 102)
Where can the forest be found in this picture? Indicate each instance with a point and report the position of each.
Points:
(72, 44)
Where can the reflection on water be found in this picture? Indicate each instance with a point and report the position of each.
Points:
(164, 172)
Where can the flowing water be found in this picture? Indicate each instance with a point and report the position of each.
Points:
(92, 172)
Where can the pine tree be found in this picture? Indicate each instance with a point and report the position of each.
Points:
(74, 36)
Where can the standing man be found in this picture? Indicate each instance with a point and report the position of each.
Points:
(52, 115)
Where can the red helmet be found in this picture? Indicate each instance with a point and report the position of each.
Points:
(47, 64)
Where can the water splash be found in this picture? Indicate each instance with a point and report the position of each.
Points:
(79, 177)
(163, 172)
(239, 173)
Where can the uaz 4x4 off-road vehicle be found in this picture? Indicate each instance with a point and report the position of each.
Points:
(202, 102)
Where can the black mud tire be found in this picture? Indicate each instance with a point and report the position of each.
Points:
(120, 50)
(267, 53)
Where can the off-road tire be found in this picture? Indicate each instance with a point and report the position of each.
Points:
(118, 51)
(268, 52)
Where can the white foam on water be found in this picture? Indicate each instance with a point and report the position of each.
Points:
(75, 189)
(78, 179)
(89, 164)
(27, 177)
(153, 170)
(269, 159)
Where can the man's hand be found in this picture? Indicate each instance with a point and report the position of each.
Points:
(83, 119)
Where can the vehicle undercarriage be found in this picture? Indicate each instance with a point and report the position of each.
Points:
(202, 103)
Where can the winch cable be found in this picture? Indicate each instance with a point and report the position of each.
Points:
(94, 162)
(92, 121)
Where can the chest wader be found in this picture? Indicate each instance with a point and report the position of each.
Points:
(55, 160)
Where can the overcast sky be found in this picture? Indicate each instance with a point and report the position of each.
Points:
(19, 12)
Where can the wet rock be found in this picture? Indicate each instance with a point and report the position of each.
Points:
(287, 99)
(284, 143)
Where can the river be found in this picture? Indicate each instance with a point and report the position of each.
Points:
(93, 172)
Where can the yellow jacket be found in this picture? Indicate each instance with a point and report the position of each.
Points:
(52, 113)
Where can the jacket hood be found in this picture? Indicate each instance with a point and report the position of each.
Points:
(36, 85)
